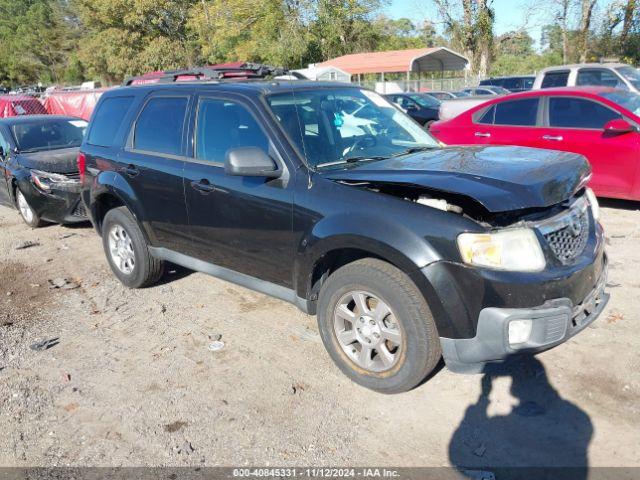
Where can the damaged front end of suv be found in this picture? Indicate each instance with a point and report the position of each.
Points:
(529, 270)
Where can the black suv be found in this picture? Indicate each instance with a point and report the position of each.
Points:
(327, 196)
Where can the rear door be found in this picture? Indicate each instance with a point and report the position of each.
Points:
(577, 125)
(152, 165)
(236, 222)
(510, 122)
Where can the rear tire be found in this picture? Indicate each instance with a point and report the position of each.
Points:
(28, 214)
(377, 327)
(127, 250)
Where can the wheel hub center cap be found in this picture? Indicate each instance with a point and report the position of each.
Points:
(368, 330)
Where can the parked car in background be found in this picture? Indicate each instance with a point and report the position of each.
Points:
(444, 95)
(408, 252)
(423, 108)
(38, 157)
(597, 122)
(486, 90)
(615, 75)
(520, 83)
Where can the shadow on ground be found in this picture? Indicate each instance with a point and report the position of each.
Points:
(540, 429)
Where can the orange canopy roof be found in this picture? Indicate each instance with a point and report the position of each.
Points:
(411, 60)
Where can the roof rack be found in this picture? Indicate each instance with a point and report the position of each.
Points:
(243, 71)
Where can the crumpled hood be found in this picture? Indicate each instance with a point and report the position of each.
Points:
(54, 161)
(499, 178)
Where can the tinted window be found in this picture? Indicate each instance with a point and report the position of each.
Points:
(517, 112)
(578, 113)
(224, 125)
(512, 83)
(598, 76)
(555, 79)
(49, 135)
(159, 127)
(4, 144)
(107, 120)
(486, 117)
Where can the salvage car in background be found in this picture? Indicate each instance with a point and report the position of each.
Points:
(597, 122)
(520, 83)
(486, 90)
(38, 158)
(445, 95)
(423, 108)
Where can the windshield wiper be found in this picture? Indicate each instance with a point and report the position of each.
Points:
(411, 150)
(357, 159)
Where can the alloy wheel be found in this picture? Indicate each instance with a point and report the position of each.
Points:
(121, 249)
(367, 331)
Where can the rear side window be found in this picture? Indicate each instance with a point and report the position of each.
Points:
(224, 125)
(579, 113)
(598, 76)
(555, 79)
(107, 120)
(512, 83)
(517, 112)
(160, 125)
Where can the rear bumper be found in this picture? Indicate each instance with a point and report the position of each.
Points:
(553, 323)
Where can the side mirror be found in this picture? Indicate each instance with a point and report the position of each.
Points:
(250, 162)
(619, 126)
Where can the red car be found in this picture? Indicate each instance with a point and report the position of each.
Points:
(598, 122)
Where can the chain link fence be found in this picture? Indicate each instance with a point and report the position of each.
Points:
(422, 85)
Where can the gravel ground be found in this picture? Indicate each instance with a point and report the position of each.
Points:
(130, 380)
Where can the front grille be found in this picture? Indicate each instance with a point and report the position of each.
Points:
(73, 175)
(568, 235)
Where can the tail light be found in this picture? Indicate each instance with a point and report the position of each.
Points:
(82, 165)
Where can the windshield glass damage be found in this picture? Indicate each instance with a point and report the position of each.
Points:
(333, 127)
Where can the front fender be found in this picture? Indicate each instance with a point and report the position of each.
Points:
(376, 235)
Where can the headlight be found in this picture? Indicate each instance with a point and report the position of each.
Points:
(515, 249)
(45, 180)
(593, 201)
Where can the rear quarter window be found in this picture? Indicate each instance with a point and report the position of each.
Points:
(107, 120)
(555, 79)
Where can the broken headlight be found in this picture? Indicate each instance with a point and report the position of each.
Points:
(514, 249)
(47, 180)
(593, 201)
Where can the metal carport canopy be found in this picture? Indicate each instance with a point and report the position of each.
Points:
(412, 60)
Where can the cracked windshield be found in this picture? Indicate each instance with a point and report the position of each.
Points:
(334, 127)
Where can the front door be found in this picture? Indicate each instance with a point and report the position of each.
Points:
(152, 165)
(240, 223)
(509, 122)
(577, 125)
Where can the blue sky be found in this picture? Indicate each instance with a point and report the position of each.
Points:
(510, 14)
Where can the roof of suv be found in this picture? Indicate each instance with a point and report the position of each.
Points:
(583, 65)
(245, 86)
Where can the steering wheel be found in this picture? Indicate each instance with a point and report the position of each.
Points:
(366, 141)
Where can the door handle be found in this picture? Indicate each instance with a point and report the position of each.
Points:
(553, 138)
(130, 170)
(203, 186)
(482, 134)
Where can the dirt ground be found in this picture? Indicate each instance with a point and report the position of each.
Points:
(131, 380)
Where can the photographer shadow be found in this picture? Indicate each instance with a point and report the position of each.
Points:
(543, 435)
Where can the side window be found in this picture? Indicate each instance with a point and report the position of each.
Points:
(107, 120)
(160, 125)
(486, 117)
(223, 125)
(517, 112)
(579, 113)
(598, 76)
(555, 79)
(512, 83)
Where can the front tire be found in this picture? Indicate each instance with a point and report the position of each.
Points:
(377, 327)
(28, 214)
(127, 250)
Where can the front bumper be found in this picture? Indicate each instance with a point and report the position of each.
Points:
(553, 323)
(60, 205)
